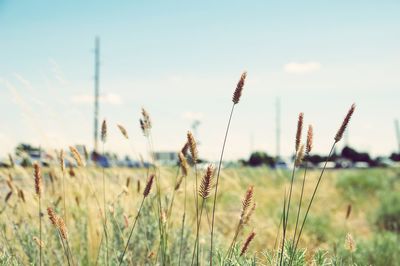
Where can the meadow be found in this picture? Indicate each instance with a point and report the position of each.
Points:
(75, 213)
(372, 194)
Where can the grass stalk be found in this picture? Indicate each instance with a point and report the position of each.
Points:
(217, 182)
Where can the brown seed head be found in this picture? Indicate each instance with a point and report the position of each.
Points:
(21, 195)
(183, 163)
(309, 143)
(348, 212)
(123, 131)
(346, 121)
(247, 217)
(62, 227)
(300, 155)
(239, 88)
(247, 243)
(205, 186)
(248, 197)
(8, 196)
(148, 186)
(77, 156)
(38, 179)
(185, 148)
(192, 146)
(299, 130)
(104, 131)
(52, 216)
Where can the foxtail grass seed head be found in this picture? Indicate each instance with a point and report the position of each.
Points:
(247, 217)
(248, 197)
(183, 163)
(62, 161)
(185, 149)
(77, 156)
(38, 179)
(246, 244)
(148, 186)
(239, 88)
(300, 155)
(345, 123)
(8, 196)
(206, 182)
(348, 212)
(192, 146)
(21, 195)
(123, 131)
(310, 136)
(52, 216)
(145, 122)
(104, 131)
(62, 227)
(350, 244)
(299, 130)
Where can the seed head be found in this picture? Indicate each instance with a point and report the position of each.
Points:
(309, 143)
(248, 197)
(345, 122)
(104, 131)
(299, 130)
(192, 146)
(183, 163)
(239, 88)
(38, 179)
(205, 186)
(247, 243)
(350, 244)
(148, 186)
(77, 156)
(300, 155)
(123, 131)
(52, 216)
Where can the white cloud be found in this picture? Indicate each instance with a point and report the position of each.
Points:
(302, 68)
(108, 98)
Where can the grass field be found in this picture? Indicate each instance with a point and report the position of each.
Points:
(373, 219)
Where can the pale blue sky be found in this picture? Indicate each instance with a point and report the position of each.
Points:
(182, 59)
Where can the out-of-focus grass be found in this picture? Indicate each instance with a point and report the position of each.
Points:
(325, 229)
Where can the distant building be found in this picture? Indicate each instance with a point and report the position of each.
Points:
(166, 157)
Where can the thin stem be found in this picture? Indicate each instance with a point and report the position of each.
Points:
(40, 231)
(284, 230)
(130, 234)
(301, 200)
(311, 200)
(105, 211)
(290, 192)
(196, 242)
(65, 208)
(183, 224)
(217, 182)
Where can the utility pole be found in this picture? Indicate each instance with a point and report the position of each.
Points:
(96, 90)
(278, 128)
(397, 128)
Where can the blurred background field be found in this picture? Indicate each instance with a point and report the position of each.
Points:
(372, 194)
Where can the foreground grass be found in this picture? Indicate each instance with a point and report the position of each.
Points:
(323, 241)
